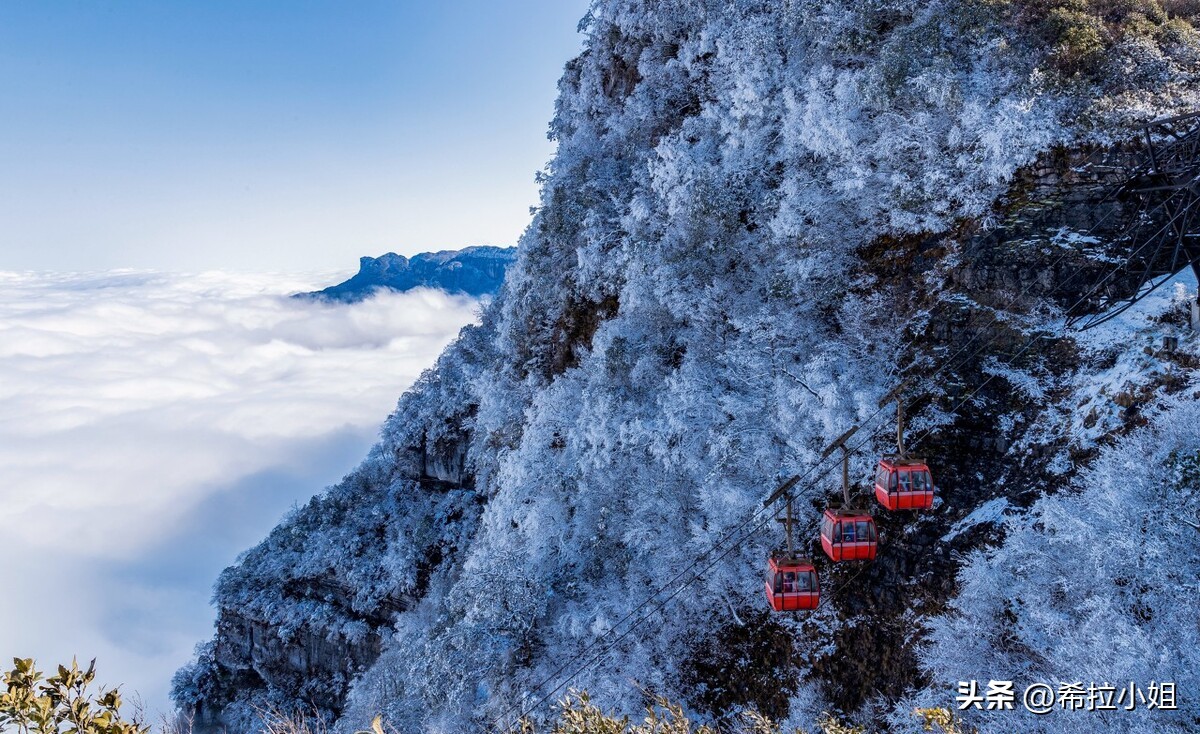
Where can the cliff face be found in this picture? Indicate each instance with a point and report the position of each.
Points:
(760, 218)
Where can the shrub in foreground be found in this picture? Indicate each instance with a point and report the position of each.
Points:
(62, 703)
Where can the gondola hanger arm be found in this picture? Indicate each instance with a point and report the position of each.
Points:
(783, 490)
(839, 442)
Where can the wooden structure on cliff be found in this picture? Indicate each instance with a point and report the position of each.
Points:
(1164, 236)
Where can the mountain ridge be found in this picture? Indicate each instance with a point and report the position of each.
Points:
(475, 271)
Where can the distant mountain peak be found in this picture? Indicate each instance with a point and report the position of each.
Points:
(473, 271)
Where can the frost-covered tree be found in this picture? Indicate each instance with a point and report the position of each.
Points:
(690, 318)
(1094, 586)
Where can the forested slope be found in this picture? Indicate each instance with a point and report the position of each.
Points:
(761, 216)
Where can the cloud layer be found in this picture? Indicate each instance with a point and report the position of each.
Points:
(154, 425)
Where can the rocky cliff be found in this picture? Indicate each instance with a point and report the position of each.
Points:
(761, 217)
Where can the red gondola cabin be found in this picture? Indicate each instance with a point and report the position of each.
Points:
(792, 584)
(848, 536)
(903, 484)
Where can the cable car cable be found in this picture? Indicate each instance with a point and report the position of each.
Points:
(696, 575)
(722, 541)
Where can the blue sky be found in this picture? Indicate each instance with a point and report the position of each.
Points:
(227, 136)
(264, 135)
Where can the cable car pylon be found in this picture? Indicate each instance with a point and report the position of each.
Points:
(792, 583)
(847, 534)
(902, 482)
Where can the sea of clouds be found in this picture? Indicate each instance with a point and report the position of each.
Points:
(153, 425)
